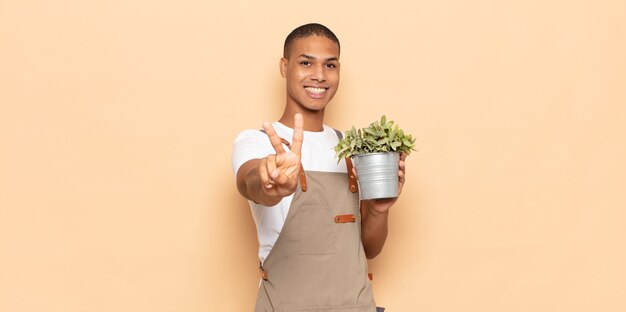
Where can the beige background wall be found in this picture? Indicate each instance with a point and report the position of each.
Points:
(117, 118)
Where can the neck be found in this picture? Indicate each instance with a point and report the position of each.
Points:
(313, 120)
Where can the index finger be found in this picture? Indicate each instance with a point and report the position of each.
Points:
(298, 134)
(277, 144)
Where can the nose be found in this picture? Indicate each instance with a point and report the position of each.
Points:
(318, 73)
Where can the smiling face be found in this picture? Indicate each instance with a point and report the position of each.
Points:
(311, 71)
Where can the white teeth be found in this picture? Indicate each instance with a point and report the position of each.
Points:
(315, 90)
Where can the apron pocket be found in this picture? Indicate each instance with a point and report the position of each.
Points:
(317, 230)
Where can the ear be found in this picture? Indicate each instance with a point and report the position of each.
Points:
(283, 67)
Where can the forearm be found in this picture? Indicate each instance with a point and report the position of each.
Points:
(250, 186)
(374, 230)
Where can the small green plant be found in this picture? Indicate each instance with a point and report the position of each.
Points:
(381, 136)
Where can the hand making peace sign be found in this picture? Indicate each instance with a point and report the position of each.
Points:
(279, 172)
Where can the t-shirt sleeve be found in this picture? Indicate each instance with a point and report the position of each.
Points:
(249, 144)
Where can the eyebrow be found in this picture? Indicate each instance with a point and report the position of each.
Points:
(310, 57)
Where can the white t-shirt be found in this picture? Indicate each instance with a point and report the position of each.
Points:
(317, 154)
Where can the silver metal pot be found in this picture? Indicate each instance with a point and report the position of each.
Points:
(377, 175)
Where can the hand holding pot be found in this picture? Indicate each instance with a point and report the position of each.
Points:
(279, 172)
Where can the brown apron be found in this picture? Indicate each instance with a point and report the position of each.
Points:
(318, 262)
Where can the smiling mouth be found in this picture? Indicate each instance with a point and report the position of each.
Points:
(315, 90)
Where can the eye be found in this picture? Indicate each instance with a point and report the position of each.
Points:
(331, 65)
(305, 63)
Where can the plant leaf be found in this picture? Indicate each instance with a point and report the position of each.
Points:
(380, 136)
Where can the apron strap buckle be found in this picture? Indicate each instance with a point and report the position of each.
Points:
(262, 272)
(352, 186)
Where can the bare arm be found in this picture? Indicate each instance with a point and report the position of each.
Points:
(249, 183)
(375, 215)
(267, 180)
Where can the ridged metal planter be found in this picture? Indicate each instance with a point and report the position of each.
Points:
(377, 175)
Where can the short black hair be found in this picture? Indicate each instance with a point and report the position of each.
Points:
(306, 31)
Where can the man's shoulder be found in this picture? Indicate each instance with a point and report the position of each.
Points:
(249, 144)
(259, 135)
(334, 130)
(250, 134)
